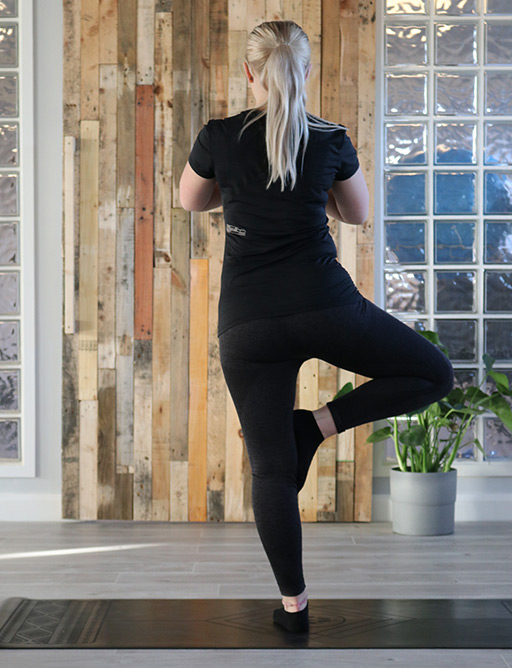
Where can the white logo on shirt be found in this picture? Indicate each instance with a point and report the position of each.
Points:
(235, 230)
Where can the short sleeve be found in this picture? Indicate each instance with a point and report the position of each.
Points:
(200, 157)
(349, 162)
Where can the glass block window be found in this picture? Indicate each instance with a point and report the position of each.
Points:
(445, 201)
(17, 312)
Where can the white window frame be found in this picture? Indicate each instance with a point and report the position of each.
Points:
(26, 466)
(466, 468)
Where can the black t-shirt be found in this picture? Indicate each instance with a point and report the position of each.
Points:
(279, 255)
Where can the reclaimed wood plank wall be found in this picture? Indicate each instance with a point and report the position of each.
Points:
(150, 431)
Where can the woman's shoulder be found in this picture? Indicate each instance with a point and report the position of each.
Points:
(324, 124)
(226, 123)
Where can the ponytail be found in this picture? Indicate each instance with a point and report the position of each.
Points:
(279, 52)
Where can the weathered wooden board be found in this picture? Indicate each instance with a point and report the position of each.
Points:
(107, 216)
(88, 268)
(363, 458)
(89, 56)
(198, 387)
(144, 190)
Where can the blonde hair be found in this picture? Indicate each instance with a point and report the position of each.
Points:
(279, 53)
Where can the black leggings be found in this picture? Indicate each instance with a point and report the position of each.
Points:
(260, 360)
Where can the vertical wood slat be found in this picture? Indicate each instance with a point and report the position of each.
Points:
(126, 64)
(72, 75)
(309, 372)
(180, 315)
(69, 235)
(89, 52)
(198, 384)
(345, 493)
(70, 505)
(225, 447)
(88, 472)
(292, 10)
(308, 397)
(180, 254)
(160, 456)
(254, 14)
(327, 386)
(238, 93)
(365, 255)
(326, 466)
(348, 254)
(219, 58)
(162, 468)
(125, 242)
(163, 138)
(143, 326)
(107, 213)
(199, 107)
(70, 378)
(336, 106)
(237, 15)
(145, 42)
(144, 139)
(88, 268)
(125, 257)
(106, 459)
(226, 461)
(142, 427)
(181, 100)
(108, 32)
(199, 320)
(348, 20)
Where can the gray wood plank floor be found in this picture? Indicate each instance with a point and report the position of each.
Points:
(116, 559)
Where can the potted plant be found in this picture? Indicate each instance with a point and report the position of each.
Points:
(423, 485)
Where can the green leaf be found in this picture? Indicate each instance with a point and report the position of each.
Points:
(501, 380)
(473, 394)
(455, 396)
(468, 411)
(500, 407)
(479, 445)
(414, 436)
(488, 361)
(379, 435)
(348, 387)
(445, 406)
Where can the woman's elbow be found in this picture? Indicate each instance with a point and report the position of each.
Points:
(185, 205)
(357, 216)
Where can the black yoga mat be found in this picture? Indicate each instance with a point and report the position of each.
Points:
(247, 624)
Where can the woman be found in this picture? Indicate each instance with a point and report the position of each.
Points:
(278, 170)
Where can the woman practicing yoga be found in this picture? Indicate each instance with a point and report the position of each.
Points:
(278, 170)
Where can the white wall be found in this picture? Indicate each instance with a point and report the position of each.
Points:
(39, 498)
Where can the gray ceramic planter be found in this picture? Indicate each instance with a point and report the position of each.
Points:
(423, 504)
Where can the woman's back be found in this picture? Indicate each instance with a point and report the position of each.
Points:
(279, 255)
(240, 167)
